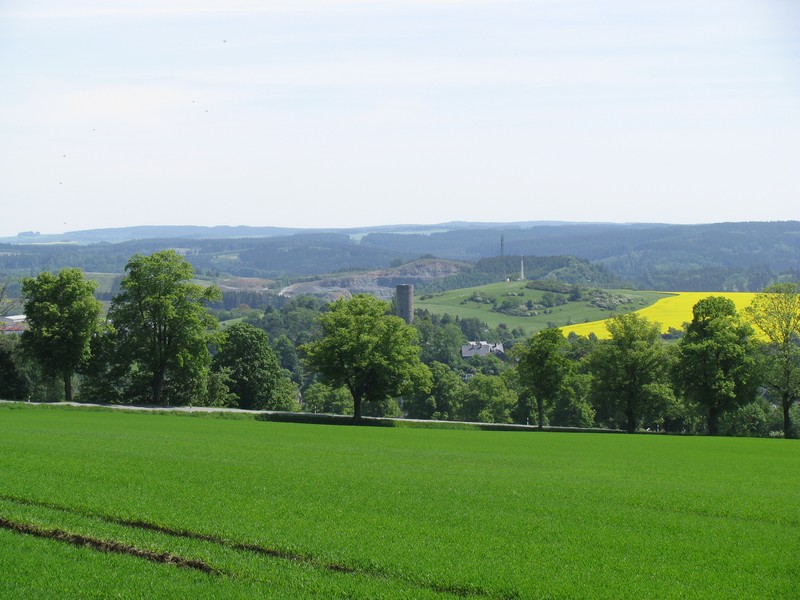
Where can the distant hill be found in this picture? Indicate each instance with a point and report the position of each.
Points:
(196, 232)
(722, 256)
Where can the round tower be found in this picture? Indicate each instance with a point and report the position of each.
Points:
(405, 302)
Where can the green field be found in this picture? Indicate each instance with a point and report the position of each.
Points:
(452, 302)
(290, 510)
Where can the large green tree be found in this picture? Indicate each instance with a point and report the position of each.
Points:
(776, 312)
(717, 366)
(373, 354)
(252, 366)
(630, 371)
(162, 323)
(62, 314)
(543, 367)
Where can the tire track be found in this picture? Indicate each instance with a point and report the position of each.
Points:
(111, 546)
(463, 591)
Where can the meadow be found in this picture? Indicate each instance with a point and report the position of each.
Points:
(456, 302)
(670, 309)
(243, 508)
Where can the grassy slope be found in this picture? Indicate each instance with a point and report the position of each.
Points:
(410, 512)
(575, 312)
(671, 309)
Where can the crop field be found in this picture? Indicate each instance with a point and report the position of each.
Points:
(456, 302)
(672, 311)
(106, 503)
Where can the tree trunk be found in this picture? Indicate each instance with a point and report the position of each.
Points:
(631, 422)
(786, 403)
(158, 384)
(713, 421)
(540, 409)
(356, 406)
(68, 386)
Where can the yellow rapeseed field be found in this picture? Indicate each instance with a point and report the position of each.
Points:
(672, 311)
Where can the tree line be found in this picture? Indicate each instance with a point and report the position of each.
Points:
(161, 343)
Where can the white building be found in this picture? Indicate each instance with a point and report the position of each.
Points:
(482, 349)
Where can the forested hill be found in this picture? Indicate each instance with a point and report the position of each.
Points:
(724, 256)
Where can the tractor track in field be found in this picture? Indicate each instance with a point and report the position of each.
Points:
(111, 546)
(117, 547)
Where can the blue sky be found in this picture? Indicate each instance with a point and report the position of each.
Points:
(342, 113)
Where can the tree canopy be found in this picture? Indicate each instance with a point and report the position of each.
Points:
(443, 401)
(630, 371)
(717, 367)
(372, 354)
(487, 399)
(252, 367)
(162, 322)
(776, 312)
(62, 314)
(543, 367)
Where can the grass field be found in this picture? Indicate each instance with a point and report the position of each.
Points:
(452, 302)
(288, 510)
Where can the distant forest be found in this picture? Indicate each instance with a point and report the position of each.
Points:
(717, 257)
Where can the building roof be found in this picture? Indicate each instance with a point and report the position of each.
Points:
(481, 349)
(12, 328)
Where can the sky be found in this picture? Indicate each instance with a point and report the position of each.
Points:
(350, 113)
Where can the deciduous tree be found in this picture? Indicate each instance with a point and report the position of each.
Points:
(717, 367)
(162, 323)
(62, 314)
(487, 399)
(543, 367)
(776, 312)
(443, 401)
(372, 354)
(252, 367)
(629, 371)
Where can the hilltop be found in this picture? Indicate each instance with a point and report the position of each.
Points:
(711, 257)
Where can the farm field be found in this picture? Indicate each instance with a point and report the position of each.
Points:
(672, 311)
(456, 302)
(262, 509)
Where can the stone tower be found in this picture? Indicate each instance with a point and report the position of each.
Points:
(405, 302)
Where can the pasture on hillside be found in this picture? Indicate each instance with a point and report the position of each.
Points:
(670, 309)
(476, 302)
(241, 508)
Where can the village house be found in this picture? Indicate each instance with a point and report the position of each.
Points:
(12, 324)
(482, 349)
